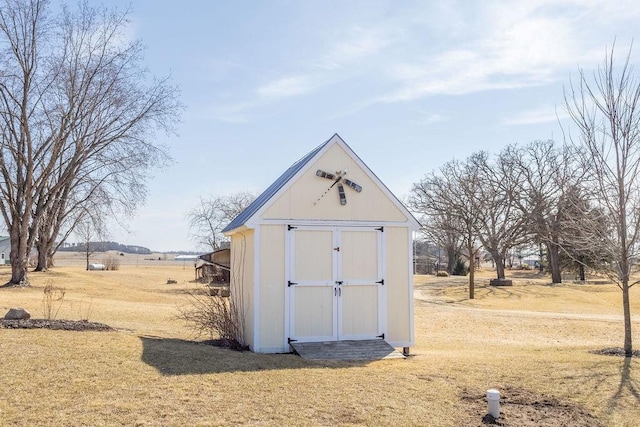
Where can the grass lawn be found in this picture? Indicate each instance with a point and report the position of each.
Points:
(531, 341)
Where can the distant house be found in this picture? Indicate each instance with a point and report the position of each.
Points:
(5, 249)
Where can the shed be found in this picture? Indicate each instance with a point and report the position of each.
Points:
(214, 267)
(324, 254)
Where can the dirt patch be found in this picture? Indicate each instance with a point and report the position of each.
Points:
(61, 324)
(522, 408)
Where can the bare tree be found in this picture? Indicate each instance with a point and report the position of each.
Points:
(106, 192)
(446, 201)
(75, 101)
(548, 174)
(441, 227)
(583, 226)
(605, 107)
(91, 229)
(499, 224)
(212, 214)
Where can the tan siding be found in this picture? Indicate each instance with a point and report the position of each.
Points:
(272, 286)
(397, 282)
(300, 201)
(242, 280)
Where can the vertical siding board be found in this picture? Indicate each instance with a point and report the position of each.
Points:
(398, 286)
(272, 287)
(242, 280)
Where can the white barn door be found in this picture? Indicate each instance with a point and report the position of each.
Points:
(360, 284)
(311, 286)
(335, 283)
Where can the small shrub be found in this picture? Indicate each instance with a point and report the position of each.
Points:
(112, 263)
(85, 311)
(215, 316)
(459, 269)
(442, 273)
(52, 300)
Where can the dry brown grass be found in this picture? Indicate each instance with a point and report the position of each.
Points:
(530, 337)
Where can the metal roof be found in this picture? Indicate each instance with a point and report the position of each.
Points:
(244, 216)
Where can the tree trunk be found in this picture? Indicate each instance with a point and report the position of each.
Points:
(18, 258)
(581, 272)
(46, 251)
(451, 258)
(42, 257)
(628, 347)
(498, 259)
(540, 265)
(500, 269)
(554, 262)
(472, 271)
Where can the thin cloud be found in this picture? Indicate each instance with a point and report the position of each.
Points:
(329, 67)
(431, 118)
(535, 116)
(290, 86)
(359, 43)
(517, 46)
(488, 46)
(236, 113)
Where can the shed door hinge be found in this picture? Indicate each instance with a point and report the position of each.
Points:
(291, 227)
(289, 340)
(381, 336)
(290, 283)
(381, 282)
(380, 229)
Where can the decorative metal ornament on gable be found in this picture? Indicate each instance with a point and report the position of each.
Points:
(337, 177)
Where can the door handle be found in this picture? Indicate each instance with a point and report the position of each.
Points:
(335, 292)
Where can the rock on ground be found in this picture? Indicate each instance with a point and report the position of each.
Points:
(17, 314)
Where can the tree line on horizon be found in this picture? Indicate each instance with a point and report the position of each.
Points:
(104, 246)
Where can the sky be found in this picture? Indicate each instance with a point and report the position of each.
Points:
(408, 85)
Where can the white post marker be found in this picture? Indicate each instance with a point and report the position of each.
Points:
(493, 400)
